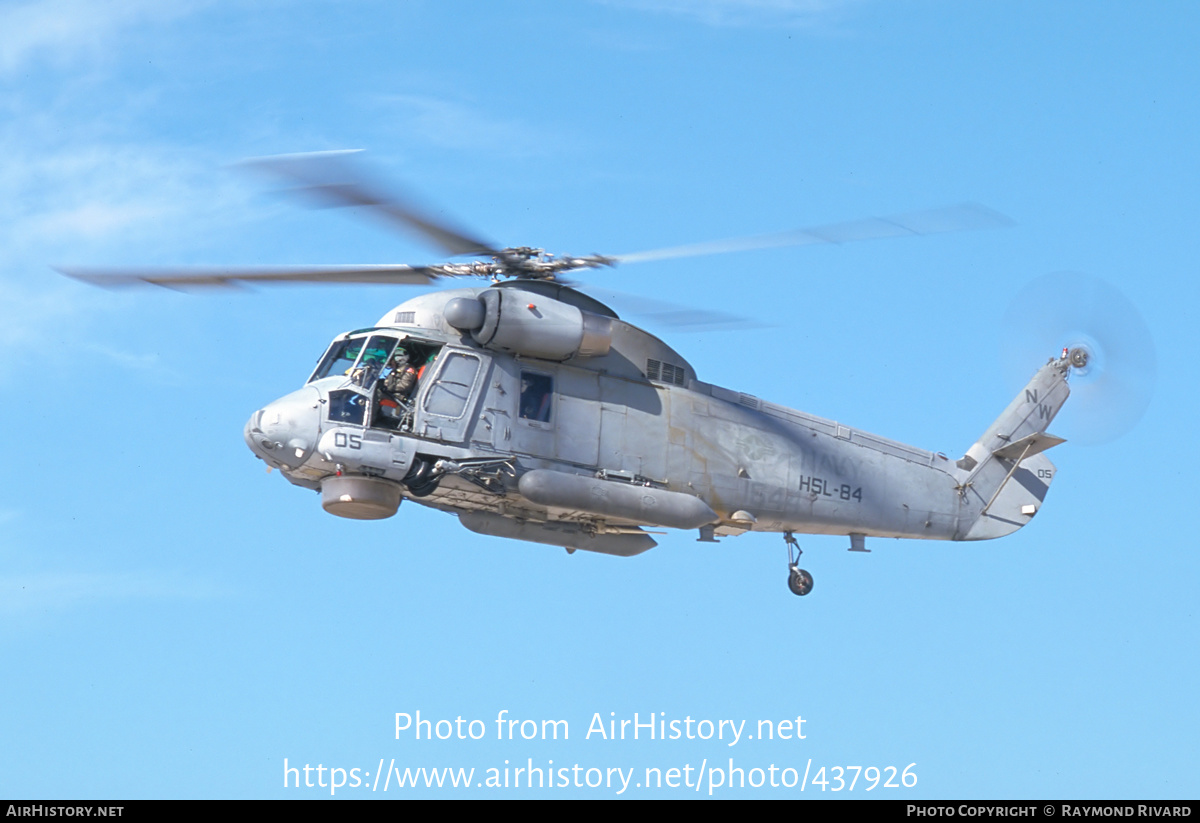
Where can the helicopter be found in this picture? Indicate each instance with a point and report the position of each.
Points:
(532, 411)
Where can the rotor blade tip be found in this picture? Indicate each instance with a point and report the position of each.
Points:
(1000, 217)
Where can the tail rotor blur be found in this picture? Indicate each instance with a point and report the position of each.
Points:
(1111, 349)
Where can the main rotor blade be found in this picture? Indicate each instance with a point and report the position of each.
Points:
(330, 179)
(229, 277)
(964, 217)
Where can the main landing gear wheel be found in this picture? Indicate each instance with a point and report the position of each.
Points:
(800, 581)
(421, 479)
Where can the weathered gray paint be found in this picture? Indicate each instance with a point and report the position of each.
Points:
(638, 417)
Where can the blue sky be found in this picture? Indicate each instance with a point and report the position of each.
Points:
(176, 623)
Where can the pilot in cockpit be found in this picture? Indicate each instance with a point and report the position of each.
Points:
(395, 389)
(403, 377)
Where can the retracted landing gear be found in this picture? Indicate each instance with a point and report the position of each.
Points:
(422, 479)
(799, 581)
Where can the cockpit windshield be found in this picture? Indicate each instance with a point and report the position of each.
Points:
(361, 359)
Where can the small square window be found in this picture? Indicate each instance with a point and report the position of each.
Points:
(537, 396)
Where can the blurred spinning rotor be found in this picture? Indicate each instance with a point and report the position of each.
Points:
(1067, 309)
(334, 179)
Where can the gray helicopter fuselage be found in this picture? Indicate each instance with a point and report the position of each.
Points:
(542, 416)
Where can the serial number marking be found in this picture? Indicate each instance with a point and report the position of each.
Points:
(821, 486)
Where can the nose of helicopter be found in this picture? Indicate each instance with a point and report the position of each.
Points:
(283, 433)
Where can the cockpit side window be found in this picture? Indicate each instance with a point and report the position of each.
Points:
(397, 384)
(374, 357)
(347, 406)
(361, 359)
(339, 359)
(381, 376)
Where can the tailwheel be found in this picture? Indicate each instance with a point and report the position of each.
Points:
(800, 581)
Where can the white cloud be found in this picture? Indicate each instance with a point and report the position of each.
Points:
(85, 203)
(135, 361)
(92, 220)
(81, 181)
(87, 193)
(63, 31)
(458, 126)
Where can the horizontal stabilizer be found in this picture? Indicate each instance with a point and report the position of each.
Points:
(1028, 446)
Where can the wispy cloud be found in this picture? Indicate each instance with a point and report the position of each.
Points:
(460, 126)
(62, 32)
(83, 179)
(743, 12)
(93, 202)
(94, 193)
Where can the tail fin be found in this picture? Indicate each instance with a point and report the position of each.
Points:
(1005, 475)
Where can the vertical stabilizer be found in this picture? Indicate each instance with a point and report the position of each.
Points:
(1005, 475)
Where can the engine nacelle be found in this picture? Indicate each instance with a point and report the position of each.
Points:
(530, 324)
